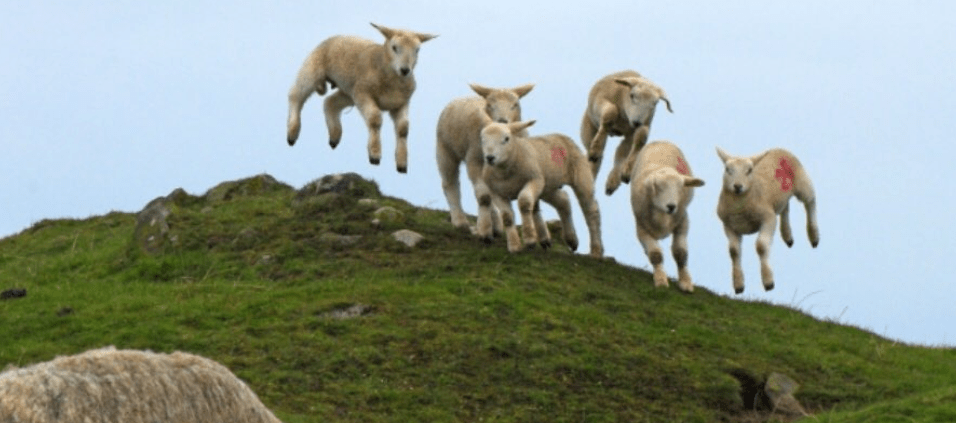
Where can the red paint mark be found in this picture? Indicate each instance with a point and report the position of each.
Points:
(558, 155)
(785, 174)
(682, 167)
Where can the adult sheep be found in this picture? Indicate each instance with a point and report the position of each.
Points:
(459, 140)
(369, 75)
(109, 385)
(620, 104)
(661, 190)
(533, 168)
(756, 189)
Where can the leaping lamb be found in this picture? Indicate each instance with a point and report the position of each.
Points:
(371, 76)
(620, 104)
(661, 190)
(756, 189)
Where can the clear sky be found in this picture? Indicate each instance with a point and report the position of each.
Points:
(106, 105)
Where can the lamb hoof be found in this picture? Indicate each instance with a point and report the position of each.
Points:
(625, 179)
(768, 286)
(486, 239)
(609, 191)
(593, 159)
(814, 243)
(374, 160)
(739, 290)
(789, 243)
(291, 141)
(546, 244)
(573, 246)
(402, 169)
(334, 143)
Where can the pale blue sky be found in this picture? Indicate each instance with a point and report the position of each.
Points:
(106, 105)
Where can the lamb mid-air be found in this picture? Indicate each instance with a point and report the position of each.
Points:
(371, 76)
(533, 168)
(620, 104)
(756, 189)
(661, 190)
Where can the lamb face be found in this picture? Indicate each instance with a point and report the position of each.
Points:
(401, 49)
(496, 144)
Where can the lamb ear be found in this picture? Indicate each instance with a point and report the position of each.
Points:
(522, 90)
(517, 127)
(723, 155)
(629, 82)
(425, 37)
(663, 96)
(693, 182)
(480, 89)
(758, 157)
(387, 32)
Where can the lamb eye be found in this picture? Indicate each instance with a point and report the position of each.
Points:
(749, 171)
(507, 139)
(727, 170)
(395, 49)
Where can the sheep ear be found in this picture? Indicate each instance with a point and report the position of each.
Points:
(629, 82)
(693, 182)
(663, 96)
(425, 37)
(723, 155)
(387, 32)
(517, 127)
(759, 157)
(522, 90)
(480, 89)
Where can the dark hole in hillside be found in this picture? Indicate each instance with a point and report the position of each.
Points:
(752, 390)
(13, 293)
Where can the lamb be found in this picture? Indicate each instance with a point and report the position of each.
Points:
(533, 168)
(661, 191)
(373, 77)
(459, 139)
(756, 189)
(620, 104)
(109, 385)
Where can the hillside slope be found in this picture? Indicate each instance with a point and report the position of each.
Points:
(328, 318)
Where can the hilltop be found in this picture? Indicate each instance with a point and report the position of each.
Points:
(328, 318)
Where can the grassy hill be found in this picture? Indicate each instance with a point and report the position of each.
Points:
(329, 319)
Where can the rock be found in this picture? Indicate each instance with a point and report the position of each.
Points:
(152, 232)
(388, 214)
(256, 185)
(780, 389)
(350, 184)
(371, 202)
(349, 312)
(343, 240)
(13, 293)
(407, 237)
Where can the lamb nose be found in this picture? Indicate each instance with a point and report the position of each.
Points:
(671, 208)
(490, 159)
(405, 71)
(738, 188)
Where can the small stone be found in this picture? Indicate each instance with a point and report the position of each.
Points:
(371, 202)
(344, 240)
(780, 389)
(407, 237)
(389, 214)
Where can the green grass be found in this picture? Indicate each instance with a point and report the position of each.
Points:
(455, 330)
